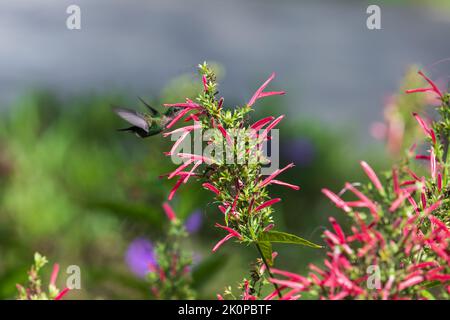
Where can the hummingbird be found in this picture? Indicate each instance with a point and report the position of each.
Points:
(147, 124)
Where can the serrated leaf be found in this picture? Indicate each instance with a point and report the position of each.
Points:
(266, 251)
(283, 237)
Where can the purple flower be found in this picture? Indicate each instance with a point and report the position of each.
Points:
(194, 222)
(140, 257)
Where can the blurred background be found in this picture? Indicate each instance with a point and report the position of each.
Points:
(78, 191)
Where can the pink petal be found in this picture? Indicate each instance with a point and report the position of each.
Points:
(54, 274)
(336, 199)
(231, 231)
(62, 294)
(175, 188)
(225, 239)
(261, 123)
(372, 176)
(281, 183)
(169, 211)
(267, 204)
(211, 188)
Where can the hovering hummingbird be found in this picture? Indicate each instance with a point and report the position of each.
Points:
(145, 125)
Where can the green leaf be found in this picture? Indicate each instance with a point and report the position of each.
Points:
(283, 237)
(427, 294)
(266, 251)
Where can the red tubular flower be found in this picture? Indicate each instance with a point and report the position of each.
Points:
(434, 88)
(205, 83)
(210, 187)
(260, 94)
(269, 179)
(225, 239)
(270, 127)
(62, 293)
(195, 157)
(54, 275)
(169, 211)
(191, 172)
(177, 118)
(180, 168)
(372, 207)
(341, 204)
(410, 282)
(261, 123)
(267, 204)
(247, 295)
(433, 167)
(425, 127)
(175, 188)
(177, 143)
(372, 176)
(285, 184)
(231, 233)
(225, 134)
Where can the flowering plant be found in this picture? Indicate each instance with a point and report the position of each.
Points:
(398, 243)
(167, 266)
(34, 289)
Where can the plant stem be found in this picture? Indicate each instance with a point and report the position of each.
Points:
(268, 269)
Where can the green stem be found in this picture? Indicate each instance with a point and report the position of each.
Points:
(268, 269)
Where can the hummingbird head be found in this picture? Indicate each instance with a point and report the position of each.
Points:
(173, 111)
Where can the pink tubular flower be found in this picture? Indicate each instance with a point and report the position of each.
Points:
(434, 88)
(410, 282)
(372, 176)
(210, 187)
(178, 170)
(225, 134)
(169, 211)
(270, 127)
(175, 188)
(269, 179)
(433, 167)
(267, 204)
(195, 157)
(62, 293)
(225, 239)
(54, 275)
(247, 295)
(261, 123)
(260, 94)
(425, 127)
(285, 184)
(205, 83)
(231, 233)
(341, 204)
(372, 207)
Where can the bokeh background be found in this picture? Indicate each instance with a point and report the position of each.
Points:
(78, 191)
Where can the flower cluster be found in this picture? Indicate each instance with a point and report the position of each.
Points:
(230, 170)
(398, 243)
(166, 265)
(34, 289)
(239, 188)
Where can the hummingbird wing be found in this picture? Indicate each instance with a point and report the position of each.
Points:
(132, 117)
(153, 111)
(141, 133)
